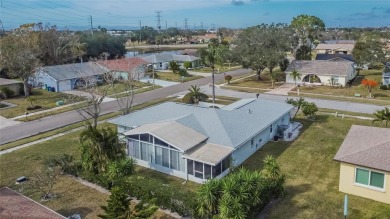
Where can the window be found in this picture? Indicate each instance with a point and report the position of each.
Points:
(158, 156)
(270, 129)
(216, 170)
(198, 169)
(207, 171)
(159, 142)
(370, 178)
(190, 167)
(252, 142)
(145, 137)
(226, 163)
(165, 157)
(174, 160)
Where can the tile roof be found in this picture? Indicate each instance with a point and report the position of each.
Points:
(335, 46)
(222, 127)
(14, 206)
(75, 70)
(123, 65)
(320, 67)
(4, 81)
(366, 146)
(347, 57)
(172, 133)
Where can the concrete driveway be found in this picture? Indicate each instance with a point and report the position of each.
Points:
(282, 90)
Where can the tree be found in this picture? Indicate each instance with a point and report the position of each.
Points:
(369, 84)
(44, 180)
(295, 75)
(215, 53)
(298, 103)
(174, 66)
(187, 65)
(31, 100)
(303, 52)
(228, 78)
(99, 147)
(306, 28)
(284, 64)
(195, 95)
(118, 205)
(183, 72)
(275, 179)
(368, 52)
(309, 110)
(382, 116)
(120, 168)
(20, 53)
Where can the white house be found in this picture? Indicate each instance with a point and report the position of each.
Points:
(199, 143)
(66, 77)
(331, 48)
(160, 61)
(386, 74)
(321, 72)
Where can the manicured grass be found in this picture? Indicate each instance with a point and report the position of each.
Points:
(223, 68)
(45, 99)
(341, 98)
(264, 83)
(119, 87)
(356, 87)
(246, 89)
(170, 76)
(312, 176)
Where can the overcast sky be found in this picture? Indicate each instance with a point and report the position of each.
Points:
(218, 13)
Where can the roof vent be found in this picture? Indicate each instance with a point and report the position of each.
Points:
(250, 111)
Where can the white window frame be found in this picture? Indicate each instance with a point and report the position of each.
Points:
(369, 180)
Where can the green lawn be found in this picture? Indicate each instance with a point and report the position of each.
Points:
(45, 99)
(312, 175)
(222, 68)
(252, 82)
(356, 87)
(170, 76)
(119, 87)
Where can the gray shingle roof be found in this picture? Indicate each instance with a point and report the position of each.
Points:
(366, 146)
(4, 81)
(347, 57)
(222, 127)
(75, 70)
(320, 67)
(347, 46)
(167, 57)
(172, 133)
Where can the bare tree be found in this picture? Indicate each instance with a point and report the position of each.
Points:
(43, 180)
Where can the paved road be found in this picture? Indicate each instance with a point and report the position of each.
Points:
(28, 129)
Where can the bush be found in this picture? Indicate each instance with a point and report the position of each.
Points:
(183, 72)
(34, 108)
(187, 65)
(384, 87)
(8, 92)
(228, 78)
(66, 162)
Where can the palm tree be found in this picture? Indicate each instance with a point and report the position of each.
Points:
(299, 103)
(99, 147)
(195, 95)
(382, 115)
(295, 75)
(208, 197)
(214, 54)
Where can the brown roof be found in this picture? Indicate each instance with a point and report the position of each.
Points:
(124, 65)
(335, 46)
(4, 81)
(320, 67)
(16, 206)
(366, 146)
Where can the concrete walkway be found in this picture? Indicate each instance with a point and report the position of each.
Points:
(282, 90)
(4, 122)
(159, 82)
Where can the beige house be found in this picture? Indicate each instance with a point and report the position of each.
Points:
(324, 48)
(13, 85)
(321, 72)
(364, 158)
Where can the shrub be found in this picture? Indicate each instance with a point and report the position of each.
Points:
(228, 78)
(183, 72)
(66, 162)
(8, 92)
(187, 65)
(383, 87)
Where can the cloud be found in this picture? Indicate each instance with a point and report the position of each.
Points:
(237, 2)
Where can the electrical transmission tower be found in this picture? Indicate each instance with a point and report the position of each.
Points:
(158, 19)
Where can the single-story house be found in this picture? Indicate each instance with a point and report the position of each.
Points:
(364, 158)
(191, 52)
(160, 61)
(67, 77)
(133, 68)
(340, 42)
(13, 85)
(15, 205)
(199, 143)
(321, 72)
(386, 74)
(324, 48)
(335, 57)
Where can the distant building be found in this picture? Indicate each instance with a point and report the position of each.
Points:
(364, 158)
(13, 85)
(386, 74)
(340, 42)
(67, 77)
(323, 48)
(160, 61)
(200, 143)
(126, 68)
(321, 72)
(335, 57)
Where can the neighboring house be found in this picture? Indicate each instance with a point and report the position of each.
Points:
(364, 158)
(386, 74)
(191, 52)
(15, 205)
(321, 72)
(323, 48)
(340, 42)
(199, 143)
(13, 85)
(160, 61)
(67, 77)
(133, 68)
(335, 57)
(205, 38)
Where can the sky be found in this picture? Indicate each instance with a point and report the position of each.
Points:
(207, 13)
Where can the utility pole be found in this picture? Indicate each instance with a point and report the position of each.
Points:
(158, 19)
(185, 24)
(91, 25)
(140, 28)
(176, 24)
(166, 25)
(201, 25)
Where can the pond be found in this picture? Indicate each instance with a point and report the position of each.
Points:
(133, 53)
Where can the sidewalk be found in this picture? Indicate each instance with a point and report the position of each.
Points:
(282, 90)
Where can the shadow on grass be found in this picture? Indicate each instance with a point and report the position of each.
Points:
(82, 211)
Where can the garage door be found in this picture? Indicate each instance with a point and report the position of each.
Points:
(64, 85)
